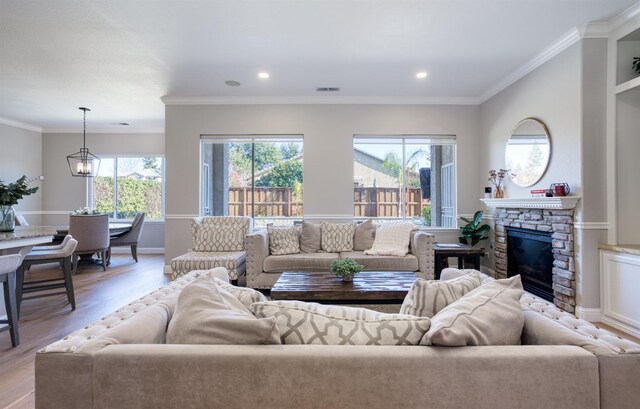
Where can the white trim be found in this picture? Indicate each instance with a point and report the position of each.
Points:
(555, 48)
(598, 29)
(167, 270)
(21, 125)
(180, 216)
(141, 250)
(328, 217)
(45, 212)
(620, 326)
(566, 202)
(591, 225)
(322, 100)
(624, 20)
(107, 130)
(589, 314)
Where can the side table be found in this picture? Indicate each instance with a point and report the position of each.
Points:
(459, 250)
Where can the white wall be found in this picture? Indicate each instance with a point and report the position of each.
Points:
(568, 93)
(21, 154)
(328, 143)
(64, 193)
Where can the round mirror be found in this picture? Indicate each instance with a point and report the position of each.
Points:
(528, 152)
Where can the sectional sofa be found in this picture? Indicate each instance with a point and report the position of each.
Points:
(122, 361)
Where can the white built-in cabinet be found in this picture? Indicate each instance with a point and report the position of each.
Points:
(620, 261)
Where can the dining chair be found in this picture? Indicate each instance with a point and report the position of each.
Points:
(61, 255)
(8, 266)
(92, 234)
(130, 238)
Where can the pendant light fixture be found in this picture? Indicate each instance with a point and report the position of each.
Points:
(84, 163)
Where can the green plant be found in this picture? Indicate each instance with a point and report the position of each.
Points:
(473, 232)
(426, 215)
(636, 64)
(345, 266)
(11, 193)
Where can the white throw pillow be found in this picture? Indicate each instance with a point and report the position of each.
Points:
(246, 296)
(392, 239)
(427, 297)
(489, 315)
(312, 323)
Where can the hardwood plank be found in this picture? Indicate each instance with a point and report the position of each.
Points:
(46, 320)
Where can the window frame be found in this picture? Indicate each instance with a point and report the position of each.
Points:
(90, 181)
(243, 138)
(404, 140)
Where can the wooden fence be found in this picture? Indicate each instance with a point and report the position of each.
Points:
(279, 202)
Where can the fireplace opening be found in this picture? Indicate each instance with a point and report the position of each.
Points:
(529, 253)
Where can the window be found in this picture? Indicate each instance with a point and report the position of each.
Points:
(405, 178)
(125, 186)
(255, 176)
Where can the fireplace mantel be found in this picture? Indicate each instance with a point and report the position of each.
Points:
(566, 202)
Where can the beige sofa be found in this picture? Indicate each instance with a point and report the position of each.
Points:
(263, 268)
(121, 361)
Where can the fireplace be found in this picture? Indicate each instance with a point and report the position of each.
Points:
(530, 254)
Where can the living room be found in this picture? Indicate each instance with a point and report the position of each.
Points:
(511, 62)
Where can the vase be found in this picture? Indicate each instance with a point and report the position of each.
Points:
(499, 193)
(7, 219)
(348, 278)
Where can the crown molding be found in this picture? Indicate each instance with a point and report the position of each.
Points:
(599, 29)
(373, 100)
(548, 53)
(623, 20)
(22, 125)
(104, 130)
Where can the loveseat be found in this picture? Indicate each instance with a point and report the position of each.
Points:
(122, 361)
(264, 268)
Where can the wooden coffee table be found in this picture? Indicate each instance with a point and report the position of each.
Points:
(367, 287)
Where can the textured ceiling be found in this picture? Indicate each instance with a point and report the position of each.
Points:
(120, 57)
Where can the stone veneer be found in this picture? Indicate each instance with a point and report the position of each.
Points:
(560, 223)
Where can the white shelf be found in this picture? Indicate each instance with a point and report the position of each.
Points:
(566, 202)
(629, 85)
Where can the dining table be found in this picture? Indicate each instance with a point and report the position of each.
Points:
(115, 229)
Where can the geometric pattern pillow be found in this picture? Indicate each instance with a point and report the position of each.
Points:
(311, 323)
(337, 237)
(284, 240)
(246, 296)
(427, 297)
(224, 233)
(489, 315)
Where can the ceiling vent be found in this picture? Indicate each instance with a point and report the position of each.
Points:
(327, 89)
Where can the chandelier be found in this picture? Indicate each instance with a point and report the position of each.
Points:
(83, 163)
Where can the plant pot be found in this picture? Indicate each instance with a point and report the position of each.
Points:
(347, 278)
(7, 219)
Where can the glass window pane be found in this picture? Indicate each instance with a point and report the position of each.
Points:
(139, 187)
(103, 187)
(417, 170)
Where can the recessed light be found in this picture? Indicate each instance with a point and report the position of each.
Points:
(263, 75)
(232, 83)
(421, 74)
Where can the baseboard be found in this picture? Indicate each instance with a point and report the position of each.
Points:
(589, 314)
(141, 250)
(620, 326)
(167, 269)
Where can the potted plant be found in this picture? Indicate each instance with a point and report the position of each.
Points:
(9, 196)
(497, 177)
(473, 232)
(346, 268)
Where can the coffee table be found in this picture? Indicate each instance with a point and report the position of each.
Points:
(367, 287)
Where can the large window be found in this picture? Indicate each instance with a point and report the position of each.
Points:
(125, 186)
(405, 178)
(253, 176)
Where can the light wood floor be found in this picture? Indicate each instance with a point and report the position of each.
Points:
(46, 320)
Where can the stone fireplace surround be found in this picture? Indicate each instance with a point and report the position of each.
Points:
(555, 215)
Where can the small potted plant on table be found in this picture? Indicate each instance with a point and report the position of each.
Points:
(346, 268)
(9, 196)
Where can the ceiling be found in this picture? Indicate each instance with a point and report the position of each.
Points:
(119, 57)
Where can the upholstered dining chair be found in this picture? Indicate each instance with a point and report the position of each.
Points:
(92, 234)
(130, 238)
(8, 266)
(61, 255)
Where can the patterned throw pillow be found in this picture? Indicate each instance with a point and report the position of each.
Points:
(392, 239)
(246, 296)
(337, 237)
(489, 315)
(427, 297)
(284, 240)
(312, 323)
(219, 233)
